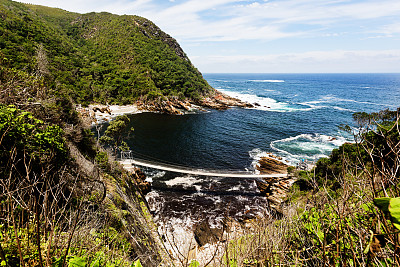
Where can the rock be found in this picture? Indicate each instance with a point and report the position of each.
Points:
(204, 234)
(140, 178)
(269, 165)
(145, 187)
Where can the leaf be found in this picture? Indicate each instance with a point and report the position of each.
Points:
(382, 203)
(77, 262)
(194, 263)
(394, 209)
(137, 264)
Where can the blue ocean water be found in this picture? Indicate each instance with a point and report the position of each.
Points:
(296, 116)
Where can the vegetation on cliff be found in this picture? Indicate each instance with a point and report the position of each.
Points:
(63, 200)
(97, 57)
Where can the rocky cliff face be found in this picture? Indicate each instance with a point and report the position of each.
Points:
(275, 189)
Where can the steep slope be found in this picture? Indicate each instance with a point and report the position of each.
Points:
(58, 201)
(98, 57)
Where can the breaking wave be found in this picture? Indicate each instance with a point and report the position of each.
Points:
(309, 147)
(269, 104)
(267, 81)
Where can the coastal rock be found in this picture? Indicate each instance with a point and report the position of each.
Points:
(222, 101)
(275, 189)
(140, 178)
(204, 234)
(271, 165)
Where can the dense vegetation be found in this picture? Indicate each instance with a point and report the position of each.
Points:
(97, 57)
(63, 201)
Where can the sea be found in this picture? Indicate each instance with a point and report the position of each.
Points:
(295, 117)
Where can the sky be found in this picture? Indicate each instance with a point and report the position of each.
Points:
(270, 36)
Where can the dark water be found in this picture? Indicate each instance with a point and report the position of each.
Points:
(297, 118)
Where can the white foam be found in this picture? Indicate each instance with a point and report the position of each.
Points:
(334, 99)
(150, 176)
(186, 182)
(268, 104)
(267, 81)
(310, 146)
(304, 146)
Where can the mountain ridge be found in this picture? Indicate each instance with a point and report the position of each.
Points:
(98, 57)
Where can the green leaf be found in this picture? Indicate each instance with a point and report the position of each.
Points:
(137, 264)
(394, 209)
(382, 203)
(77, 262)
(194, 263)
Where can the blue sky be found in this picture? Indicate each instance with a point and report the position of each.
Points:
(271, 36)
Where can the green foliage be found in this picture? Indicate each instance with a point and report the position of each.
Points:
(194, 263)
(115, 132)
(97, 57)
(102, 159)
(137, 264)
(21, 131)
(391, 207)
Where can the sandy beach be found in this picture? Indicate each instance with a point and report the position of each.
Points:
(98, 113)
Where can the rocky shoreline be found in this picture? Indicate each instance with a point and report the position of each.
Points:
(175, 106)
(100, 113)
(275, 189)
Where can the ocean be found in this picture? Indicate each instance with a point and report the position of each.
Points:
(296, 116)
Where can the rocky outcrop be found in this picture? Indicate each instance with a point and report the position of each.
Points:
(140, 178)
(271, 165)
(171, 106)
(275, 189)
(204, 234)
(222, 101)
(175, 106)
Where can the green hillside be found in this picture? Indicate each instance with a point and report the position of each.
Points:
(97, 57)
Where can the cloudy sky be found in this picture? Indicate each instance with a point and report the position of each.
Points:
(270, 36)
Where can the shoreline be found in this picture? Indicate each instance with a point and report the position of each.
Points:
(101, 113)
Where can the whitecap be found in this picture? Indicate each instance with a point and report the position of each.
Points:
(267, 103)
(267, 81)
(185, 181)
(293, 149)
(307, 146)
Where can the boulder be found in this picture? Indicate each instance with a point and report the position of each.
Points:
(204, 234)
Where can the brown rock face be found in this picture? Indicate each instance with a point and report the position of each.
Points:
(268, 165)
(204, 234)
(222, 101)
(171, 106)
(175, 106)
(140, 177)
(275, 189)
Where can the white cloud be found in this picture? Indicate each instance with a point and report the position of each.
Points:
(233, 20)
(311, 62)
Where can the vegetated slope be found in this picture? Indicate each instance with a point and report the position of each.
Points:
(97, 57)
(59, 188)
(61, 198)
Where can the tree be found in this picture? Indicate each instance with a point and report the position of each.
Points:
(113, 136)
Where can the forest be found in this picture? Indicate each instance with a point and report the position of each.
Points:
(97, 57)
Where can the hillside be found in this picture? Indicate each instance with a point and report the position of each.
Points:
(97, 57)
